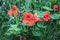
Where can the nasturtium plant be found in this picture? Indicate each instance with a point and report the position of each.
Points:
(29, 19)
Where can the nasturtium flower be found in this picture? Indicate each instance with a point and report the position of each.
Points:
(14, 11)
(47, 16)
(55, 7)
(14, 8)
(10, 12)
(27, 15)
(29, 18)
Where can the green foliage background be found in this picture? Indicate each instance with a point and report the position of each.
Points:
(10, 30)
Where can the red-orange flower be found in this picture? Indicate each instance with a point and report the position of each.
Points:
(27, 15)
(10, 12)
(46, 16)
(55, 7)
(29, 18)
(14, 11)
(33, 20)
(14, 8)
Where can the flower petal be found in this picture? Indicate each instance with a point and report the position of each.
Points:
(25, 21)
(14, 7)
(10, 12)
(31, 22)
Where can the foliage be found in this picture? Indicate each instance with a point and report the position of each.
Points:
(12, 28)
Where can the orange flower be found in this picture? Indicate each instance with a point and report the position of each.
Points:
(46, 16)
(14, 11)
(10, 12)
(30, 18)
(33, 20)
(55, 7)
(27, 15)
(14, 8)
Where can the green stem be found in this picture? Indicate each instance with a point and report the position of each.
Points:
(16, 20)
